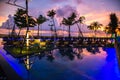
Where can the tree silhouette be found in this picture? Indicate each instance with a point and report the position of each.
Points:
(106, 30)
(20, 19)
(80, 21)
(69, 21)
(113, 23)
(94, 26)
(51, 14)
(40, 20)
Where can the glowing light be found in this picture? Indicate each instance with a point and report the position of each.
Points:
(102, 29)
(38, 41)
(28, 63)
(42, 44)
(27, 43)
(118, 31)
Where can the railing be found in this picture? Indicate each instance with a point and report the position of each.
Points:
(75, 41)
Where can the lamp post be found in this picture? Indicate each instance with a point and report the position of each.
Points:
(27, 15)
(27, 62)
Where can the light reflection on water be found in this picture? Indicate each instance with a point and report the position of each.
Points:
(99, 66)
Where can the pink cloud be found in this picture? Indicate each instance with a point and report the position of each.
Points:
(64, 11)
(2, 19)
(78, 1)
(102, 17)
(55, 1)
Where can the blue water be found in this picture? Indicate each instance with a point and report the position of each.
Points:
(110, 69)
(100, 66)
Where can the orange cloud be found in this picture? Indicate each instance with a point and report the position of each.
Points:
(92, 14)
(2, 19)
(101, 17)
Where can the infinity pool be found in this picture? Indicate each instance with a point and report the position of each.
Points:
(99, 66)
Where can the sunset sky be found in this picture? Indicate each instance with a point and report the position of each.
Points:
(93, 10)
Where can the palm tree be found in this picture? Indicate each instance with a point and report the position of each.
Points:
(106, 30)
(69, 22)
(113, 26)
(51, 14)
(20, 20)
(40, 20)
(113, 23)
(80, 21)
(94, 26)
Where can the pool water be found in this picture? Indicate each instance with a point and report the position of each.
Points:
(99, 66)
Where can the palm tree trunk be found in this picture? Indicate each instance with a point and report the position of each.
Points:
(95, 32)
(19, 32)
(13, 30)
(54, 27)
(69, 31)
(80, 32)
(8, 27)
(41, 29)
(38, 30)
(51, 29)
(115, 38)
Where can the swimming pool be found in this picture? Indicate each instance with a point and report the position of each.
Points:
(99, 66)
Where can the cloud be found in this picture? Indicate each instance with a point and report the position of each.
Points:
(78, 1)
(2, 4)
(2, 19)
(64, 11)
(56, 1)
(60, 1)
(3, 0)
(102, 17)
(35, 12)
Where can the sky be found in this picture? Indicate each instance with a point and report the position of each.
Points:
(93, 10)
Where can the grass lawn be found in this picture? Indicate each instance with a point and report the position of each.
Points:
(20, 52)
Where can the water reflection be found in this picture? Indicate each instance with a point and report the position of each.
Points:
(69, 63)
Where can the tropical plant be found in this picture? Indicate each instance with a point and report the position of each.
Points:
(40, 20)
(69, 21)
(106, 30)
(95, 26)
(51, 14)
(20, 19)
(80, 21)
(113, 23)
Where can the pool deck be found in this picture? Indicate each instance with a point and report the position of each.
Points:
(9, 71)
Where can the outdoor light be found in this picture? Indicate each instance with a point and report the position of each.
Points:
(27, 39)
(102, 28)
(28, 63)
(42, 44)
(118, 31)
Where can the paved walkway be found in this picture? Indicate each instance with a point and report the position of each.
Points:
(9, 71)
